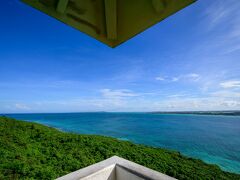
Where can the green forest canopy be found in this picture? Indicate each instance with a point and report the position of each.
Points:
(34, 151)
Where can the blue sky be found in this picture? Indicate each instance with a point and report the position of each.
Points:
(190, 61)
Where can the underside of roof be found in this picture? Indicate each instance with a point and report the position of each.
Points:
(110, 21)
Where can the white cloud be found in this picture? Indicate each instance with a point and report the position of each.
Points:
(126, 100)
(159, 78)
(117, 94)
(225, 15)
(21, 107)
(174, 79)
(177, 96)
(205, 103)
(187, 77)
(193, 76)
(231, 104)
(219, 12)
(230, 84)
(226, 94)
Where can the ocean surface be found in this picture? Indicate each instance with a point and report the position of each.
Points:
(214, 139)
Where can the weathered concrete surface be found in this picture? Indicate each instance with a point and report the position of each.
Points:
(115, 168)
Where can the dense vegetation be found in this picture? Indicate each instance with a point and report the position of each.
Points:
(33, 151)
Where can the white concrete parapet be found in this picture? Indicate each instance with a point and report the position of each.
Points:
(115, 168)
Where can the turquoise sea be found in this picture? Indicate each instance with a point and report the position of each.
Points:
(214, 139)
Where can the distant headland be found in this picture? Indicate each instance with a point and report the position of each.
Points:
(224, 113)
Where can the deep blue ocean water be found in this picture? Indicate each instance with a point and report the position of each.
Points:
(214, 139)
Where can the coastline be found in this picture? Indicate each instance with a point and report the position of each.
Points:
(175, 132)
(215, 113)
(74, 151)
